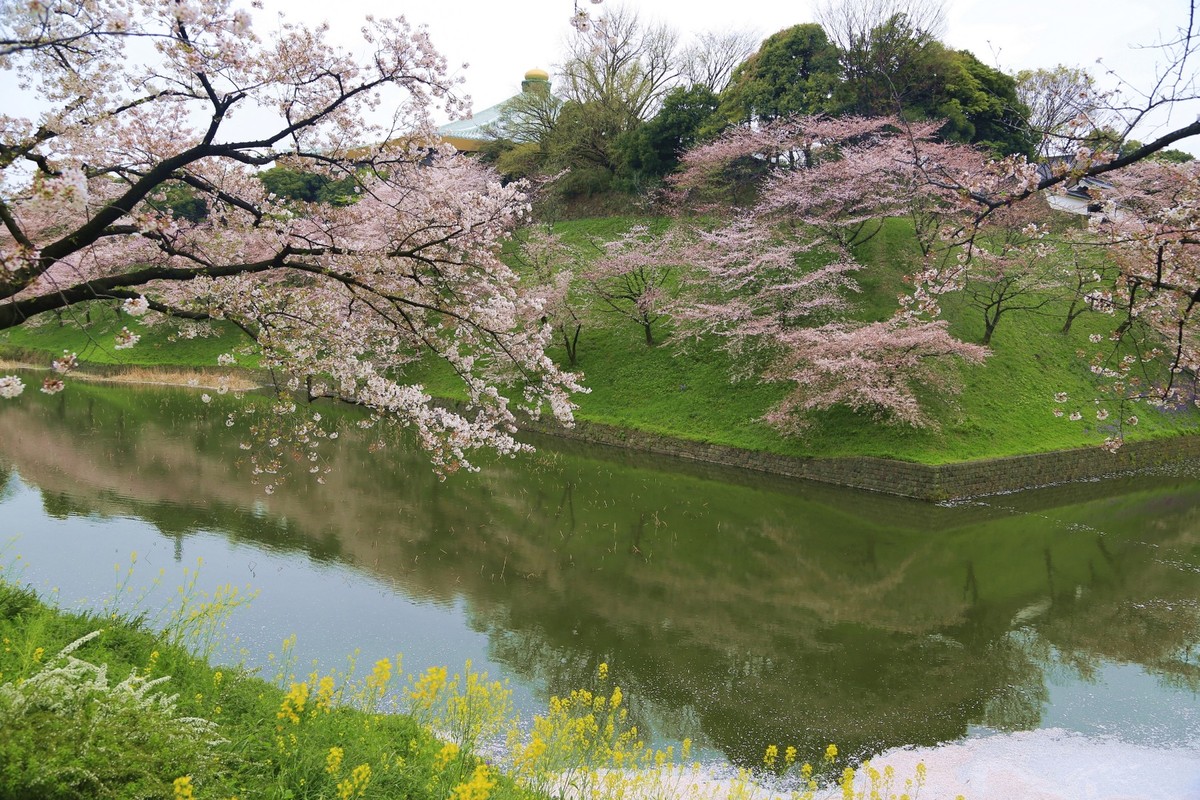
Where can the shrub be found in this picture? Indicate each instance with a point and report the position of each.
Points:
(66, 731)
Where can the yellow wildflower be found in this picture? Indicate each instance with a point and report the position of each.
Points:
(293, 703)
(478, 788)
(324, 700)
(38, 653)
(217, 678)
(380, 676)
(771, 755)
(831, 753)
(603, 671)
(425, 691)
(789, 756)
(356, 784)
(333, 761)
(183, 788)
(445, 755)
(847, 783)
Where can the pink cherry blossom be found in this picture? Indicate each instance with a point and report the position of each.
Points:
(341, 298)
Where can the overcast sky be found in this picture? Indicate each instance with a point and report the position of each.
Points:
(501, 40)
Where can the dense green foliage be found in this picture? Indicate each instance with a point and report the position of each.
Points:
(309, 187)
(795, 71)
(652, 150)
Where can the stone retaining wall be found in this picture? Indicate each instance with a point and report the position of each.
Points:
(921, 481)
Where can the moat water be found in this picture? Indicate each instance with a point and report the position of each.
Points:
(1046, 641)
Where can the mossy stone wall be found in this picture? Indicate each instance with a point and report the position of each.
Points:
(922, 481)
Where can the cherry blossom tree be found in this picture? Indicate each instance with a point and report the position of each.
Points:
(631, 277)
(883, 369)
(1146, 231)
(1012, 266)
(774, 280)
(1152, 236)
(137, 97)
(550, 269)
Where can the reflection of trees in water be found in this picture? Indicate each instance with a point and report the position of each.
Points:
(7, 484)
(749, 616)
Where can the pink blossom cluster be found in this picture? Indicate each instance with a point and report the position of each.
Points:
(344, 297)
(776, 280)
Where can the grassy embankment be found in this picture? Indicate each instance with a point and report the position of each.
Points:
(101, 704)
(683, 389)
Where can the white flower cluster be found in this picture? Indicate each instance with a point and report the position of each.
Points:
(125, 339)
(582, 21)
(136, 306)
(71, 688)
(65, 364)
(11, 386)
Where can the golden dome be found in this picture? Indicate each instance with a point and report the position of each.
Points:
(537, 75)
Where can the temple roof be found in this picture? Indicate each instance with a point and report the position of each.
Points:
(472, 133)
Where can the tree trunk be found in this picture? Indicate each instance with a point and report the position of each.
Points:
(1071, 315)
(989, 327)
(571, 343)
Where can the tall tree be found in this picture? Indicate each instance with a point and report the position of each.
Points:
(881, 44)
(980, 104)
(710, 59)
(1064, 106)
(653, 149)
(795, 71)
(627, 70)
(347, 295)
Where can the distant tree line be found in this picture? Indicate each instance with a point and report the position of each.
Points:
(628, 104)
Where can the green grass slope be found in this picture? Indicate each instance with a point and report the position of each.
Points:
(683, 388)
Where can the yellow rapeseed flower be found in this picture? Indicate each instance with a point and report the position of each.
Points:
(183, 788)
(356, 784)
(380, 676)
(445, 755)
(424, 692)
(847, 783)
(831, 753)
(771, 755)
(293, 703)
(478, 788)
(789, 756)
(38, 653)
(603, 671)
(324, 700)
(333, 760)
